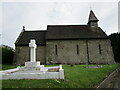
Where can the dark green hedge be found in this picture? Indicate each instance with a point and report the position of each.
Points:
(115, 42)
(7, 54)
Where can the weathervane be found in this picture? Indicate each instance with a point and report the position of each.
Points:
(90, 7)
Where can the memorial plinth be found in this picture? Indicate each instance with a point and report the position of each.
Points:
(33, 69)
(32, 64)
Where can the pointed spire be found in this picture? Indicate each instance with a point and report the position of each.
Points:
(92, 18)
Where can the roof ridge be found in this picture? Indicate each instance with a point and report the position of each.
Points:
(36, 31)
(69, 25)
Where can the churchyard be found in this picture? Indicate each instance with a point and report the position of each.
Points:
(76, 76)
(35, 75)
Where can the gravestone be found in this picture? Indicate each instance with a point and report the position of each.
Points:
(95, 66)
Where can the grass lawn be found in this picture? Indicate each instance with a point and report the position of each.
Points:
(75, 77)
(5, 67)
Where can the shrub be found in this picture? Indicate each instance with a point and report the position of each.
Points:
(7, 54)
(115, 42)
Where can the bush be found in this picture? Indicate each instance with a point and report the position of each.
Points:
(7, 54)
(115, 42)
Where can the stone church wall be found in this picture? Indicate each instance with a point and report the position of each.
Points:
(79, 51)
(100, 51)
(41, 54)
(66, 52)
(22, 54)
(69, 52)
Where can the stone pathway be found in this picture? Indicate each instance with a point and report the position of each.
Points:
(112, 81)
(115, 83)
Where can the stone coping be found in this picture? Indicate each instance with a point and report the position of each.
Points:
(9, 71)
(55, 72)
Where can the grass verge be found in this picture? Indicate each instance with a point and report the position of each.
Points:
(5, 67)
(75, 77)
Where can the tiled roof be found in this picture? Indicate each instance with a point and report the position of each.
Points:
(26, 36)
(63, 32)
(74, 32)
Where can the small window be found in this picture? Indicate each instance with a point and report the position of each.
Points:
(56, 49)
(77, 49)
(99, 49)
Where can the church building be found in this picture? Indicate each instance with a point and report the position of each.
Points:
(66, 44)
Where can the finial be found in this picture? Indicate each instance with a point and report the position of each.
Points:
(90, 7)
(23, 27)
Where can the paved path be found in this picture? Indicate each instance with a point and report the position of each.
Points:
(115, 83)
(112, 81)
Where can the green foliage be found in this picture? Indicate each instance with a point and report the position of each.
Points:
(5, 67)
(115, 42)
(75, 77)
(7, 54)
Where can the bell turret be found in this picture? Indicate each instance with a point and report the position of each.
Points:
(92, 21)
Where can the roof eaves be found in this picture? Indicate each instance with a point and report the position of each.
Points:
(19, 36)
(35, 30)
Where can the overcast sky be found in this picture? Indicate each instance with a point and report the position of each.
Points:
(37, 15)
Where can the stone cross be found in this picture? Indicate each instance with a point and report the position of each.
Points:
(33, 47)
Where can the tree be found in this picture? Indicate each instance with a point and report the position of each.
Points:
(7, 54)
(115, 42)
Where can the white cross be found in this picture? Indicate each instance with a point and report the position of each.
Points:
(33, 47)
